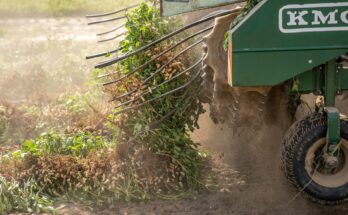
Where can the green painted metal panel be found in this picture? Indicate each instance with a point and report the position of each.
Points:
(280, 39)
(307, 82)
(333, 128)
(314, 81)
(330, 83)
(342, 79)
(173, 7)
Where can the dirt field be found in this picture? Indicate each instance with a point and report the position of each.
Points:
(247, 160)
(249, 165)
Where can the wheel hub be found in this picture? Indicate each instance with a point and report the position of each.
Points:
(331, 162)
(328, 171)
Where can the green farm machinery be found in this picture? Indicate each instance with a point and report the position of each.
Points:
(302, 43)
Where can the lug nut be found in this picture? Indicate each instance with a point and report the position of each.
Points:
(331, 162)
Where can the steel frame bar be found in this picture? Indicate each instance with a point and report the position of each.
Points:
(333, 116)
(330, 83)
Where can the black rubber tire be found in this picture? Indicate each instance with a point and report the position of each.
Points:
(300, 137)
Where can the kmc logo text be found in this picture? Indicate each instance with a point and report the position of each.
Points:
(323, 17)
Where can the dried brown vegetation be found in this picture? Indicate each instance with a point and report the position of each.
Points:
(127, 172)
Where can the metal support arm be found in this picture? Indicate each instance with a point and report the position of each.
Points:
(333, 115)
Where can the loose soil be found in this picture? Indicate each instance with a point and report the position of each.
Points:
(246, 156)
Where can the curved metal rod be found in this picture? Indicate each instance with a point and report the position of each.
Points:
(112, 30)
(157, 56)
(157, 71)
(164, 65)
(161, 84)
(154, 124)
(112, 38)
(104, 54)
(118, 59)
(188, 83)
(125, 94)
(170, 61)
(106, 20)
(112, 13)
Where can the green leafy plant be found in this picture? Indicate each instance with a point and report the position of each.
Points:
(155, 156)
(78, 103)
(181, 110)
(23, 198)
(78, 145)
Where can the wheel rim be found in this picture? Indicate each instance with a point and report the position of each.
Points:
(319, 173)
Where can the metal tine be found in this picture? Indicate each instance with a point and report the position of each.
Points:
(157, 56)
(118, 27)
(104, 53)
(112, 13)
(188, 83)
(112, 38)
(154, 124)
(106, 20)
(171, 60)
(118, 59)
(158, 70)
(161, 84)
(125, 94)
(112, 30)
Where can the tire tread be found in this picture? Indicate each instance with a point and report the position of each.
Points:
(291, 142)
